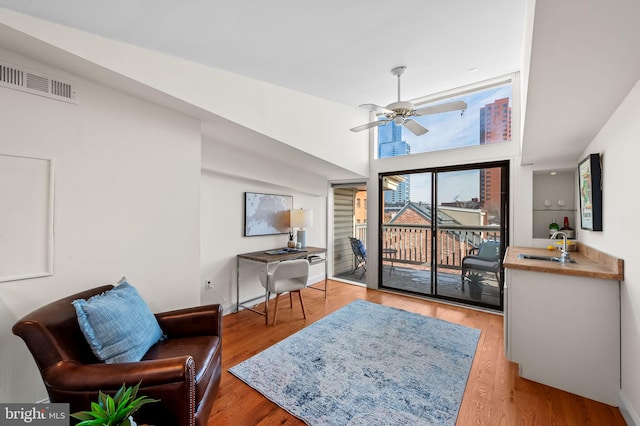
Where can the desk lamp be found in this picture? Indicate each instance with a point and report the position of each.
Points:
(299, 219)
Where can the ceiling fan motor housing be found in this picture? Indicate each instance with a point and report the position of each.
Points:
(400, 112)
(403, 108)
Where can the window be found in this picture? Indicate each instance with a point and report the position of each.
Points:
(487, 120)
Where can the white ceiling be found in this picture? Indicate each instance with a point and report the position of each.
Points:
(335, 49)
(583, 55)
(584, 61)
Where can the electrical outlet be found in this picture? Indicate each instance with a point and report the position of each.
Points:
(208, 285)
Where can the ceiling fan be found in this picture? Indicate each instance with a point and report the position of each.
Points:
(400, 112)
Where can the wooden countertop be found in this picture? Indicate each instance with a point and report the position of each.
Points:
(590, 263)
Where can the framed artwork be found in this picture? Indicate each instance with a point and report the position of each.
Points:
(266, 214)
(590, 192)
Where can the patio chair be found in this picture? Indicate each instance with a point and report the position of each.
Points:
(359, 255)
(485, 258)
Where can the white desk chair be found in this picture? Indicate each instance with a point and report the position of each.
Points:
(288, 276)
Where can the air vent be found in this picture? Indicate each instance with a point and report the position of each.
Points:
(37, 83)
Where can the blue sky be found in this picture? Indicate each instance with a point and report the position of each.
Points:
(447, 131)
(452, 186)
(454, 129)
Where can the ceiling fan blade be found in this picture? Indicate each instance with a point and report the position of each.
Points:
(376, 108)
(434, 109)
(369, 125)
(415, 127)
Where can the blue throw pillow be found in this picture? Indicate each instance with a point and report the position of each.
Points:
(118, 324)
(362, 249)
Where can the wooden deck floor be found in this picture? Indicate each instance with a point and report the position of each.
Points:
(494, 395)
(416, 280)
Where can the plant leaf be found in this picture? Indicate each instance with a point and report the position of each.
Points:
(135, 389)
(111, 406)
(116, 410)
(95, 422)
(102, 399)
(83, 415)
(98, 409)
(118, 396)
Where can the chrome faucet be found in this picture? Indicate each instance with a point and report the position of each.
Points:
(566, 257)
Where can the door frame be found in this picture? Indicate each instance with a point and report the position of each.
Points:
(505, 166)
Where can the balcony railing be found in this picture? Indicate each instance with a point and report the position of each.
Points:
(412, 244)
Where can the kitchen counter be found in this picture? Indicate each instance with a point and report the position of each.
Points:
(590, 263)
(562, 320)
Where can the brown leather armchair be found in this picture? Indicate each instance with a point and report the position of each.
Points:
(182, 371)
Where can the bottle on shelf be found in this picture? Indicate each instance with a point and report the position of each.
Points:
(553, 227)
(567, 229)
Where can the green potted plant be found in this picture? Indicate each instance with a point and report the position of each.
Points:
(114, 411)
(475, 282)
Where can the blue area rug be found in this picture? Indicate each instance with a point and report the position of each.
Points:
(367, 364)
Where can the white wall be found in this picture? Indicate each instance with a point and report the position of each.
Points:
(222, 221)
(617, 143)
(127, 202)
(272, 111)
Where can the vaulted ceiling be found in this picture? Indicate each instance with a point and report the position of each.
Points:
(577, 58)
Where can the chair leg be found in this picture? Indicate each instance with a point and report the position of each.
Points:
(275, 312)
(364, 269)
(290, 300)
(462, 278)
(304, 314)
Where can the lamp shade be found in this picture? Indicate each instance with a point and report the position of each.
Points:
(301, 217)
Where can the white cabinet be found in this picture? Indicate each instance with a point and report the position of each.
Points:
(564, 331)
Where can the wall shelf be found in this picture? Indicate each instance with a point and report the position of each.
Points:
(555, 189)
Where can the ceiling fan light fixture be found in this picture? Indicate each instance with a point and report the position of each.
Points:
(400, 112)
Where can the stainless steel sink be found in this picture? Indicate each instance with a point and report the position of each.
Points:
(546, 258)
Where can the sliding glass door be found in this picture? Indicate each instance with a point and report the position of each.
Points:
(445, 237)
(349, 223)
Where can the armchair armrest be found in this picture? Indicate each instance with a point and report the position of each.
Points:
(197, 321)
(72, 376)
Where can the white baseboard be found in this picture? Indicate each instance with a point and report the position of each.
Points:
(630, 415)
(228, 308)
(315, 278)
(231, 307)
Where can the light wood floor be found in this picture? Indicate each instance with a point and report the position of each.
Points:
(495, 395)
